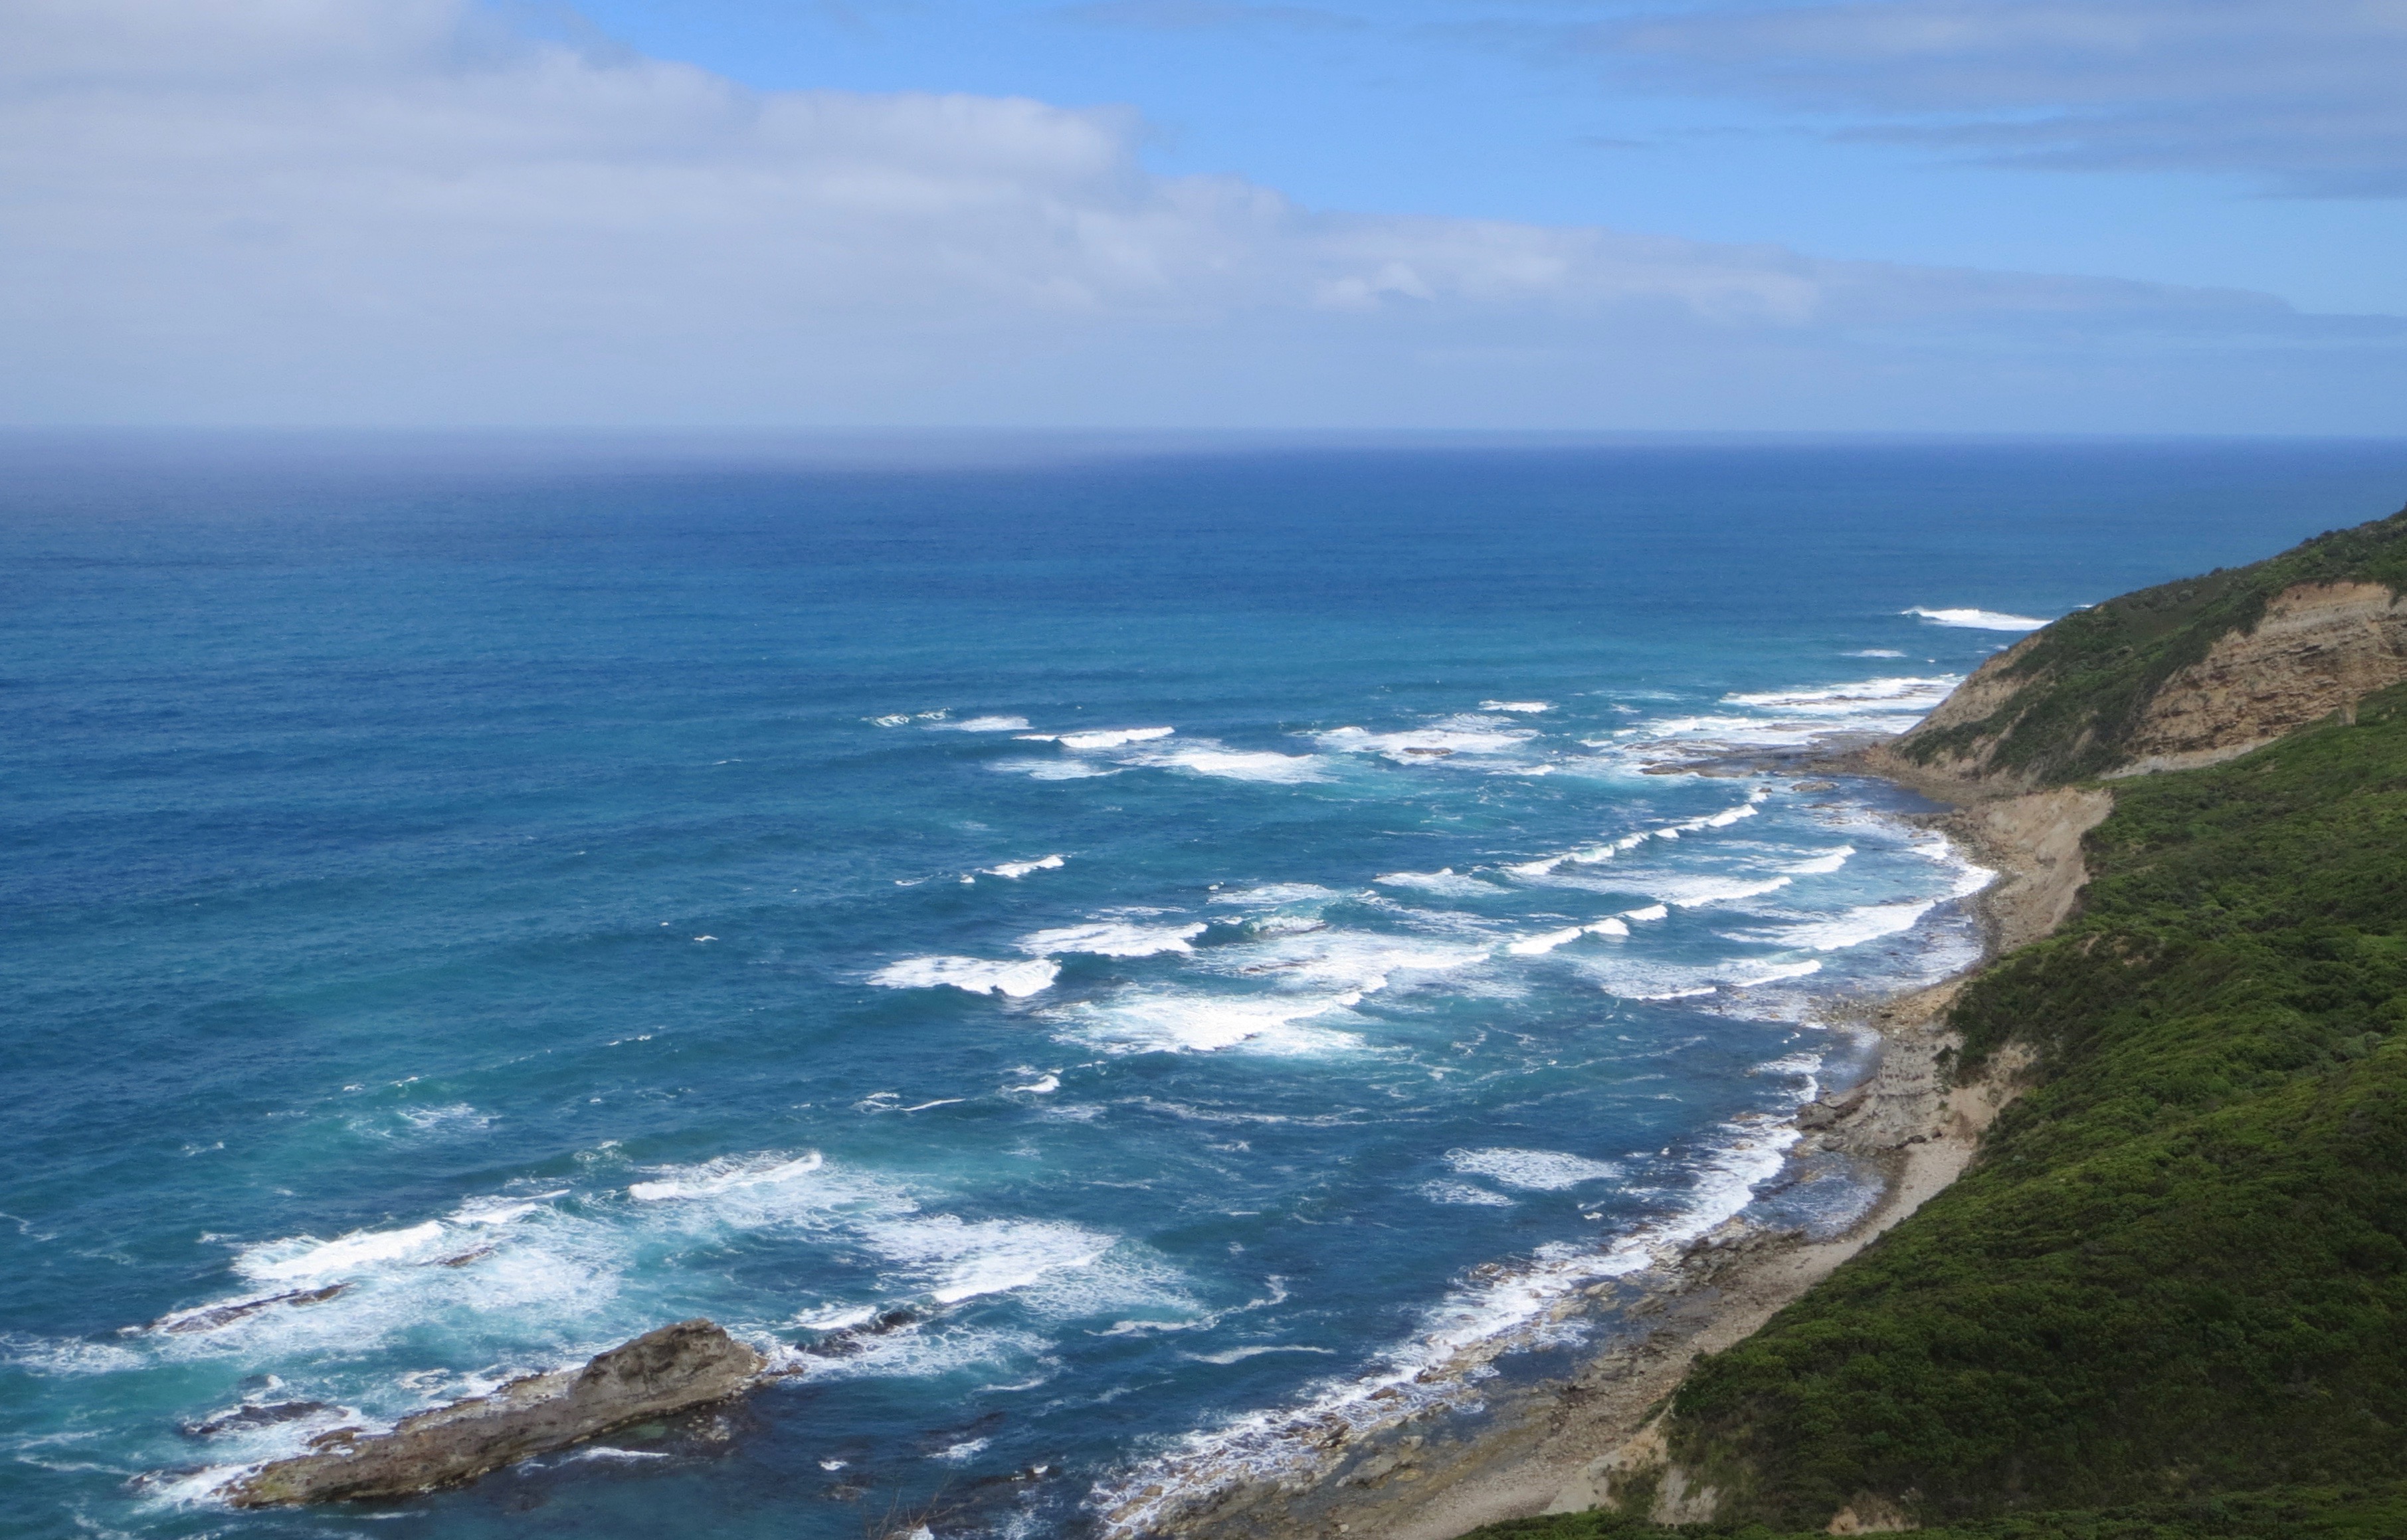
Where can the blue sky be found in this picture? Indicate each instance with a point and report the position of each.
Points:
(1531, 112)
(2137, 216)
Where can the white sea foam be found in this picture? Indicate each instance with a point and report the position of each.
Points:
(1186, 1022)
(974, 975)
(1202, 757)
(1865, 923)
(1976, 619)
(1515, 706)
(306, 1258)
(1746, 976)
(1276, 893)
(1536, 946)
(1608, 926)
(982, 724)
(1017, 869)
(955, 1259)
(1690, 893)
(727, 1174)
(1821, 865)
(1111, 939)
(1438, 1364)
(1470, 736)
(1238, 1355)
(1055, 769)
(1109, 737)
(65, 1357)
(1650, 912)
(1873, 652)
(1532, 1170)
(1848, 700)
(1463, 1192)
(1445, 881)
(1328, 958)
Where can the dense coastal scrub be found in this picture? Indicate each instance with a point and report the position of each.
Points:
(2376, 1512)
(2180, 1270)
(2070, 702)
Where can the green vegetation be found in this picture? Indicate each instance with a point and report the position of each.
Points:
(2088, 677)
(2375, 1512)
(2180, 1268)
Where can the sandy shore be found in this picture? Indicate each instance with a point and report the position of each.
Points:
(1548, 1447)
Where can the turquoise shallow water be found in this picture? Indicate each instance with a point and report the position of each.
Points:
(1165, 917)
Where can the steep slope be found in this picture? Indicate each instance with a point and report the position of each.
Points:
(2179, 1271)
(2169, 1298)
(2181, 674)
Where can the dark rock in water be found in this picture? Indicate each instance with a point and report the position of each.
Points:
(252, 1414)
(677, 1367)
(226, 1315)
(845, 1343)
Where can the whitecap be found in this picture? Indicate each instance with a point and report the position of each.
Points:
(1823, 865)
(1975, 620)
(726, 1173)
(1324, 957)
(1532, 1170)
(1610, 926)
(1017, 869)
(1054, 769)
(305, 1257)
(1873, 652)
(982, 724)
(1445, 881)
(1516, 705)
(1535, 946)
(958, 1259)
(1185, 1021)
(1275, 892)
(973, 974)
(1865, 923)
(1463, 1193)
(1111, 939)
(1238, 1355)
(1651, 912)
(1109, 737)
(1692, 893)
(1471, 736)
(1203, 758)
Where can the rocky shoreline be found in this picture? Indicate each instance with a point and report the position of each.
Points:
(1556, 1446)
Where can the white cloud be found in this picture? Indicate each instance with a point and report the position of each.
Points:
(397, 211)
(2304, 94)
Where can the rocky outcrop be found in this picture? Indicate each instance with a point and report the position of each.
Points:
(2317, 648)
(688, 1364)
(2320, 648)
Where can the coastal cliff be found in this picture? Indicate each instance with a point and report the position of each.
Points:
(2176, 676)
(2168, 1297)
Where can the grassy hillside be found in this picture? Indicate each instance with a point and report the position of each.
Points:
(2087, 679)
(2180, 1269)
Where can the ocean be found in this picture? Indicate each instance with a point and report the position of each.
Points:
(1096, 954)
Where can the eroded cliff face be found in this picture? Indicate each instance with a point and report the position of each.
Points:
(2320, 648)
(2317, 648)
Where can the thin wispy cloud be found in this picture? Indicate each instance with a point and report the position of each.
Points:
(2303, 94)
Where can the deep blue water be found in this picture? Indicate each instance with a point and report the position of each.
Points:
(619, 871)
